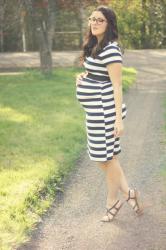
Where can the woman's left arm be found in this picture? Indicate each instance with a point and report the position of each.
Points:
(115, 74)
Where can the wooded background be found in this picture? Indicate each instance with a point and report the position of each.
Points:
(25, 23)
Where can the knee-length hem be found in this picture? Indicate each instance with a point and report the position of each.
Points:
(96, 95)
(103, 160)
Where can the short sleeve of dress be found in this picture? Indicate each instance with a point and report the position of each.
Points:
(111, 54)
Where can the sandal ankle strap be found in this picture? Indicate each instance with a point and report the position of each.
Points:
(129, 195)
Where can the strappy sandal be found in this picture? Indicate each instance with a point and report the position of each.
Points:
(112, 212)
(134, 200)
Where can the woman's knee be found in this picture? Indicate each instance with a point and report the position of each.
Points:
(102, 165)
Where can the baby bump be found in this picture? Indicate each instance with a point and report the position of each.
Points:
(88, 92)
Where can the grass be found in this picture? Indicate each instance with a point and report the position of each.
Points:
(41, 136)
(129, 75)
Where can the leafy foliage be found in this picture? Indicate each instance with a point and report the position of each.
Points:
(141, 22)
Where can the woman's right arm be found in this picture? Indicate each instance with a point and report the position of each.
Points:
(80, 76)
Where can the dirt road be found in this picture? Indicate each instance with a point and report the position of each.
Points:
(74, 220)
(19, 61)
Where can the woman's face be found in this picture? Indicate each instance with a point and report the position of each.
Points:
(97, 23)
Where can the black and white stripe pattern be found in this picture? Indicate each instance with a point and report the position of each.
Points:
(95, 93)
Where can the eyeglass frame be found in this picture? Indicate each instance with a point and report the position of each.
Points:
(99, 20)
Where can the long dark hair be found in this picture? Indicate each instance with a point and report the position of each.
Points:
(90, 46)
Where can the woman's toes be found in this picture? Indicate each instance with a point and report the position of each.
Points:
(106, 218)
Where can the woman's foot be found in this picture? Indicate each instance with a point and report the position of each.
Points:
(112, 211)
(134, 200)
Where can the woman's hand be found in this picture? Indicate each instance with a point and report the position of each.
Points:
(118, 128)
(80, 76)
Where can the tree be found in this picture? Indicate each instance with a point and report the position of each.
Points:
(43, 15)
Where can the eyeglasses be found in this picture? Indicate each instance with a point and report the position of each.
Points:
(97, 20)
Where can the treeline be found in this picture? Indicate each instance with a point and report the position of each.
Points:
(142, 23)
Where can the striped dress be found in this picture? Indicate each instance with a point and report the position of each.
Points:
(95, 94)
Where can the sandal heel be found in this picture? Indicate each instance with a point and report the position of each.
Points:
(137, 206)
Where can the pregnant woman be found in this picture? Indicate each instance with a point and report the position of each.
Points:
(99, 91)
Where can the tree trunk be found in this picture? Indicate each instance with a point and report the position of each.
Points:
(143, 27)
(44, 49)
(43, 14)
(46, 35)
(24, 45)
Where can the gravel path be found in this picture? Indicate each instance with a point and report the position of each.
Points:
(19, 60)
(74, 220)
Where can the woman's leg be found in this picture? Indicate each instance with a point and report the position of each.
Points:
(115, 180)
